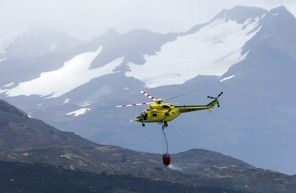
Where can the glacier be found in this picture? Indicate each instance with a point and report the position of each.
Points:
(72, 74)
(210, 51)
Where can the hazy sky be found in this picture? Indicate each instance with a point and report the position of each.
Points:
(86, 18)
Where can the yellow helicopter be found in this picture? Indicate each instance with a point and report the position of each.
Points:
(162, 112)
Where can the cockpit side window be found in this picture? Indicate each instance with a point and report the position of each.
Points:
(165, 107)
(145, 116)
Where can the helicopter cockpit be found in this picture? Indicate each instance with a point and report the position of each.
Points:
(142, 117)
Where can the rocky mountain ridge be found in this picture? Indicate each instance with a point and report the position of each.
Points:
(28, 140)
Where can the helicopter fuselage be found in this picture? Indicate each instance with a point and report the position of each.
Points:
(159, 112)
(162, 112)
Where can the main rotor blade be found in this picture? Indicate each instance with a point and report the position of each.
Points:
(131, 105)
(148, 95)
(181, 94)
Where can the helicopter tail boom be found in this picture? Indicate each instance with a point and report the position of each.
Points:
(209, 106)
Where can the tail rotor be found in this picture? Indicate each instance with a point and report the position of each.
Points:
(216, 98)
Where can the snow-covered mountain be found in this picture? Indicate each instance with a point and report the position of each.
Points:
(209, 51)
(247, 52)
(74, 73)
(33, 52)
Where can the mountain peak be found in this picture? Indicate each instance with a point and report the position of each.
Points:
(240, 13)
(281, 11)
(279, 19)
(281, 8)
(19, 132)
(209, 158)
(5, 107)
(36, 42)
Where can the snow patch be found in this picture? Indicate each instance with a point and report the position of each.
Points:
(210, 51)
(2, 90)
(66, 100)
(73, 74)
(79, 112)
(85, 104)
(227, 78)
(9, 84)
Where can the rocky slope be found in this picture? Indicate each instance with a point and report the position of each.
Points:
(36, 178)
(28, 140)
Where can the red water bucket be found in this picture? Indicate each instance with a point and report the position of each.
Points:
(166, 159)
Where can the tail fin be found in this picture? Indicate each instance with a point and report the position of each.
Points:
(213, 103)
